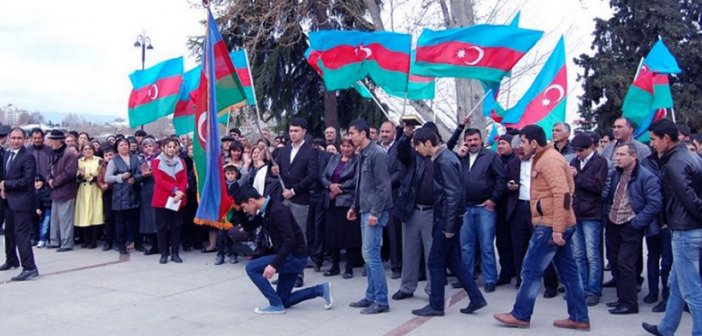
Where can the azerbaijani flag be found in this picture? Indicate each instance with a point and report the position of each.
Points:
(484, 52)
(184, 116)
(345, 57)
(649, 95)
(491, 107)
(219, 89)
(418, 87)
(493, 137)
(243, 70)
(156, 91)
(544, 104)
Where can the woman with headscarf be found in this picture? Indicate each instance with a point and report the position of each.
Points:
(88, 217)
(147, 216)
(171, 181)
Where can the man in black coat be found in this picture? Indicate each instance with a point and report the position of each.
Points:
(289, 259)
(17, 187)
(298, 171)
(388, 140)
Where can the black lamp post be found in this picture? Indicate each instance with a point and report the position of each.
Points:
(143, 42)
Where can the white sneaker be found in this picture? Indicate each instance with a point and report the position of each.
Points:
(41, 244)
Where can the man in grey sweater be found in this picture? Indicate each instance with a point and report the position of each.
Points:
(373, 201)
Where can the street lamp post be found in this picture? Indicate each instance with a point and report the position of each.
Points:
(143, 42)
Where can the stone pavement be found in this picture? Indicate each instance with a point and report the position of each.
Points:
(90, 292)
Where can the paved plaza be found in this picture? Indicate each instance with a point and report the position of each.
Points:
(90, 292)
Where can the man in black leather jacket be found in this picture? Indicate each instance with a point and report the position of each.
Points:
(681, 178)
(448, 210)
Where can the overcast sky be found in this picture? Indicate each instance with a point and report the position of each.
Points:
(74, 56)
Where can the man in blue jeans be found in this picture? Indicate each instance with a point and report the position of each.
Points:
(551, 197)
(681, 178)
(448, 201)
(289, 259)
(484, 182)
(373, 201)
(590, 175)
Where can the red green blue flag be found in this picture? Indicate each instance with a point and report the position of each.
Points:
(345, 57)
(544, 103)
(484, 52)
(418, 87)
(184, 116)
(219, 89)
(494, 137)
(491, 107)
(156, 91)
(243, 70)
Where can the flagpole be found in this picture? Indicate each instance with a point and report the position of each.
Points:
(431, 107)
(404, 103)
(672, 113)
(638, 69)
(253, 89)
(479, 102)
(375, 100)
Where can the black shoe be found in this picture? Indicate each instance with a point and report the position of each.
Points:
(660, 307)
(348, 275)
(219, 259)
(365, 272)
(427, 311)
(139, 248)
(152, 250)
(332, 272)
(123, 250)
(489, 287)
(375, 309)
(456, 284)
(400, 295)
(550, 293)
(26, 274)
(274, 282)
(613, 304)
(363, 303)
(64, 249)
(52, 246)
(503, 281)
(395, 275)
(299, 282)
(84, 245)
(7, 266)
(608, 267)
(163, 260)
(107, 246)
(176, 258)
(651, 328)
(187, 248)
(621, 310)
(472, 307)
(650, 298)
(610, 284)
(518, 284)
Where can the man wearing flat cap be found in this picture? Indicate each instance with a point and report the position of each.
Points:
(590, 174)
(64, 187)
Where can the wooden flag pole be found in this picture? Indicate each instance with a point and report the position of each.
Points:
(253, 88)
(672, 113)
(375, 100)
(478, 104)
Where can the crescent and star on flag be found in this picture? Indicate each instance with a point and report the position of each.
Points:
(367, 52)
(462, 53)
(561, 93)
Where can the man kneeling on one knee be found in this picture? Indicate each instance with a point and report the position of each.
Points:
(289, 259)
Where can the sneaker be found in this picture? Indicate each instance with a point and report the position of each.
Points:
(41, 244)
(328, 295)
(591, 300)
(267, 310)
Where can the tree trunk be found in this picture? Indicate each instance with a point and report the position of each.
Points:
(374, 11)
(468, 92)
(331, 117)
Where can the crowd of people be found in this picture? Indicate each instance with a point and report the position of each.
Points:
(562, 212)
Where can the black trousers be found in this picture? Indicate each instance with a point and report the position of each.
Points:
(316, 228)
(624, 243)
(168, 225)
(394, 234)
(503, 242)
(124, 218)
(18, 232)
(521, 227)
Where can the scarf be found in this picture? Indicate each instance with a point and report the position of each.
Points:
(170, 166)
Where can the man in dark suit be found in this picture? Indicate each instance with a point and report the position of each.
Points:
(298, 170)
(17, 187)
(388, 137)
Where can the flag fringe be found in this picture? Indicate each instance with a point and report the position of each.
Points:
(217, 225)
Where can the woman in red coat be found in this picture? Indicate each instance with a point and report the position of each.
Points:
(171, 181)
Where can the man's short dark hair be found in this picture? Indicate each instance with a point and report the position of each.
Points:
(232, 168)
(107, 149)
(235, 131)
(566, 126)
(664, 127)
(361, 126)
(299, 122)
(684, 130)
(37, 130)
(74, 134)
(696, 137)
(140, 133)
(534, 132)
(423, 135)
(629, 122)
(17, 128)
(472, 131)
(245, 193)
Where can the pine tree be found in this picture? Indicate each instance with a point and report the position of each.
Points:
(622, 41)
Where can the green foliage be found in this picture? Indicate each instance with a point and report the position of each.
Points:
(622, 41)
